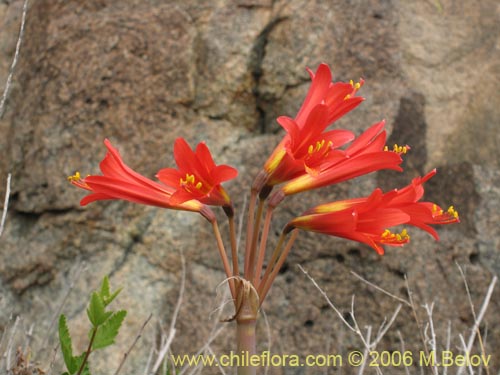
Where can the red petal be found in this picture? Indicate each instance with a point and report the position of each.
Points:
(204, 156)
(223, 173)
(181, 196)
(113, 166)
(170, 176)
(364, 139)
(290, 126)
(316, 93)
(338, 137)
(185, 158)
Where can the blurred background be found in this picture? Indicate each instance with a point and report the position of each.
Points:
(143, 73)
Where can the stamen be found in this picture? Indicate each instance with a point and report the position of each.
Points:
(189, 180)
(76, 177)
(444, 217)
(199, 185)
(398, 149)
(320, 145)
(395, 238)
(453, 212)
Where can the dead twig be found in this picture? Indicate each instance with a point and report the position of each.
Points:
(126, 354)
(171, 334)
(14, 60)
(478, 318)
(402, 300)
(5, 204)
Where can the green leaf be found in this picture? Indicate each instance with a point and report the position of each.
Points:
(105, 292)
(105, 288)
(107, 332)
(66, 346)
(96, 313)
(110, 298)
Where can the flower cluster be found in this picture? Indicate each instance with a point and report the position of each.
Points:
(309, 156)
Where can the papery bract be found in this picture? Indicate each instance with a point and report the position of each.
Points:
(366, 219)
(197, 176)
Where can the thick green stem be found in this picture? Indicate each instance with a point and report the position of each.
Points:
(246, 321)
(245, 333)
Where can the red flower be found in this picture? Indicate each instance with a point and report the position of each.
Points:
(366, 154)
(306, 144)
(118, 181)
(197, 176)
(366, 219)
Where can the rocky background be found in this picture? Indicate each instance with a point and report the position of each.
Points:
(142, 73)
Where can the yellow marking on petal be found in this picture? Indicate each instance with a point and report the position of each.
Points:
(274, 161)
(331, 207)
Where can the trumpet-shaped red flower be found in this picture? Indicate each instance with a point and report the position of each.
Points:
(118, 181)
(197, 176)
(366, 219)
(305, 145)
(366, 154)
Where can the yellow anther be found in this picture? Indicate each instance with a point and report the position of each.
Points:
(319, 145)
(347, 97)
(388, 237)
(75, 177)
(386, 148)
(400, 149)
(357, 86)
(351, 82)
(199, 185)
(189, 179)
(451, 211)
